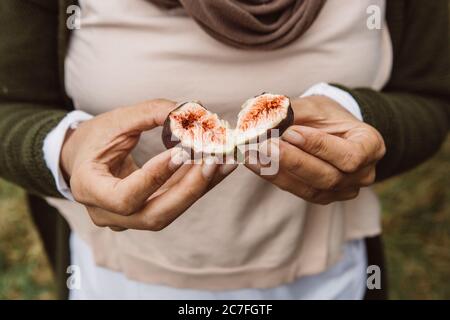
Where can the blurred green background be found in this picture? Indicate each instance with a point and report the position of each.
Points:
(416, 221)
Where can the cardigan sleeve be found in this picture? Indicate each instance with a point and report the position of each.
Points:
(31, 104)
(412, 112)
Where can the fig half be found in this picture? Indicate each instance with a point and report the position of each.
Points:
(196, 128)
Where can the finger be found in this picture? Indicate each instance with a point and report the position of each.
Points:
(287, 182)
(282, 179)
(141, 117)
(226, 165)
(307, 168)
(124, 196)
(223, 171)
(348, 155)
(291, 184)
(102, 218)
(117, 229)
(160, 211)
(327, 197)
(313, 171)
(362, 178)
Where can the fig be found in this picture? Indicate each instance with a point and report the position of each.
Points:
(194, 127)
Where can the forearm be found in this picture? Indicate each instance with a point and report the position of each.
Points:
(23, 128)
(413, 126)
(31, 97)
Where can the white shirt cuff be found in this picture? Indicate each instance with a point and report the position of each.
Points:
(340, 96)
(52, 148)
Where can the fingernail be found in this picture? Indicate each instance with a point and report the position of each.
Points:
(293, 137)
(209, 167)
(178, 158)
(270, 149)
(229, 167)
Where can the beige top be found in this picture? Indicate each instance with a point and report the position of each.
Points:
(245, 232)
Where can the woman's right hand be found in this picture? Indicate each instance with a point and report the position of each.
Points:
(103, 176)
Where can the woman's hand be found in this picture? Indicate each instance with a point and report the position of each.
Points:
(116, 192)
(327, 156)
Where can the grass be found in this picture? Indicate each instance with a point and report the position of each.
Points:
(416, 221)
(24, 269)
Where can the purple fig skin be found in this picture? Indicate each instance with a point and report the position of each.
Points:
(167, 138)
(170, 142)
(286, 122)
(282, 127)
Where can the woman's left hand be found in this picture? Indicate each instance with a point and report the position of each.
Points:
(326, 156)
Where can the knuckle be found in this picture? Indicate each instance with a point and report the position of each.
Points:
(369, 179)
(354, 161)
(285, 186)
(321, 199)
(76, 194)
(352, 195)
(324, 201)
(311, 194)
(98, 222)
(378, 143)
(273, 177)
(317, 143)
(154, 223)
(123, 205)
(77, 189)
(332, 180)
(381, 150)
(157, 180)
(193, 193)
(295, 165)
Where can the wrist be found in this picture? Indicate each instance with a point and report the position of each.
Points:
(319, 109)
(58, 161)
(341, 97)
(65, 161)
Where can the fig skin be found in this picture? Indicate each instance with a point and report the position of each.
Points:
(282, 127)
(286, 122)
(169, 143)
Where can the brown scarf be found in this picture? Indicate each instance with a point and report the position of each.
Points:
(251, 24)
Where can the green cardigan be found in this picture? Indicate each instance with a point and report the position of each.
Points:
(412, 111)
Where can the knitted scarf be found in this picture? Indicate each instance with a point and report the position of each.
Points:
(251, 24)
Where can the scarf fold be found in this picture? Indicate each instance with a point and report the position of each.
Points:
(251, 24)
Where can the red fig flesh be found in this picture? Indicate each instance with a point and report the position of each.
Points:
(196, 128)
